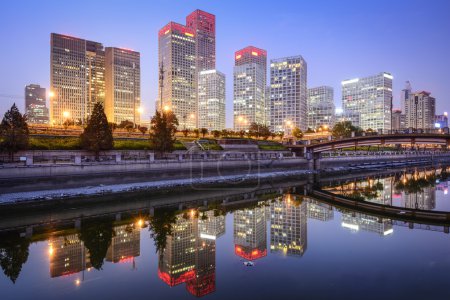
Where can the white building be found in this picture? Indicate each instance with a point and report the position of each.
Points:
(369, 101)
(211, 100)
(321, 107)
(123, 85)
(288, 93)
(420, 110)
(249, 82)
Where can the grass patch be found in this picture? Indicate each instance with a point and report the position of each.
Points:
(270, 146)
(73, 143)
(56, 143)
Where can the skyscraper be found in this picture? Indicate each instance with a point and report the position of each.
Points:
(404, 95)
(368, 101)
(123, 85)
(250, 236)
(420, 110)
(321, 107)
(211, 100)
(249, 87)
(441, 121)
(288, 226)
(35, 106)
(77, 78)
(177, 58)
(398, 120)
(288, 93)
(204, 26)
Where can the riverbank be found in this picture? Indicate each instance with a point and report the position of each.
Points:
(238, 181)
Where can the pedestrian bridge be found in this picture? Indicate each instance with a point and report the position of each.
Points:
(312, 152)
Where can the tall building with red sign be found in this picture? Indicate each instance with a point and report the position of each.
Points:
(249, 95)
(204, 26)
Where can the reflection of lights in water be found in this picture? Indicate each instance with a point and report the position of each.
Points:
(50, 250)
(389, 231)
(445, 191)
(350, 226)
(77, 282)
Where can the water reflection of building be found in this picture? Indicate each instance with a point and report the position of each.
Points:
(177, 260)
(125, 244)
(190, 253)
(210, 227)
(250, 237)
(319, 211)
(68, 255)
(424, 199)
(288, 229)
(357, 221)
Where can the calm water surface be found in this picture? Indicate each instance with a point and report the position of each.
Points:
(299, 246)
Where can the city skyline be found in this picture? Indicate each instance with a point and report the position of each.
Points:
(316, 21)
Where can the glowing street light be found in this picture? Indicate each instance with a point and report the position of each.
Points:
(166, 108)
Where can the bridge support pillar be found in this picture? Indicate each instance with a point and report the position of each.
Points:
(152, 211)
(180, 206)
(313, 160)
(118, 216)
(446, 229)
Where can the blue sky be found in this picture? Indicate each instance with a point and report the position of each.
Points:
(338, 39)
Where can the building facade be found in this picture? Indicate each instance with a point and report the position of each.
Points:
(35, 105)
(249, 83)
(441, 121)
(123, 85)
(398, 120)
(211, 100)
(288, 226)
(368, 101)
(177, 57)
(321, 107)
(288, 94)
(420, 111)
(404, 95)
(77, 78)
(204, 26)
(250, 233)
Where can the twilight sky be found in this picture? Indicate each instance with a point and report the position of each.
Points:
(338, 39)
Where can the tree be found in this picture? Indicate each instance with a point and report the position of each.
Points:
(126, 124)
(203, 131)
(344, 129)
(280, 135)
(97, 135)
(161, 226)
(196, 132)
(241, 133)
(225, 133)
(297, 133)
(309, 130)
(259, 130)
(14, 132)
(185, 132)
(273, 135)
(13, 254)
(163, 129)
(216, 133)
(97, 236)
(143, 129)
(112, 125)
